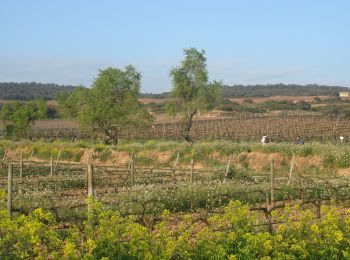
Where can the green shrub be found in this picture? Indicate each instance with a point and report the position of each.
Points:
(243, 160)
(305, 151)
(328, 160)
(66, 155)
(77, 155)
(342, 160)
(312, 169)
(104, 155)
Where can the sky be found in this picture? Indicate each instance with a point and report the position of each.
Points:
(246, 42)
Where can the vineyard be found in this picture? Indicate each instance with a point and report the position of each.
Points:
(243, 127)
(143, 191)
(177, 209)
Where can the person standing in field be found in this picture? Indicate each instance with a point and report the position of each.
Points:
(299, 140)
(265, 139)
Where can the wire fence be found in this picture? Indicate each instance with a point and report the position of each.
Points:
(146, 191)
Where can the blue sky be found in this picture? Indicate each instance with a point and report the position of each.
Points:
(246, 42)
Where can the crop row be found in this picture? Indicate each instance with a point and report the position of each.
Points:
(279, 128)
(62, 191)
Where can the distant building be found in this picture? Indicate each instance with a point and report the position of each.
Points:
(344, 94)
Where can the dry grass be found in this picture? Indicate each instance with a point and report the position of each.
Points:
(280, 98)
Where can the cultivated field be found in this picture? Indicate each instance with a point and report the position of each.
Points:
(243, 127)
(144, 196)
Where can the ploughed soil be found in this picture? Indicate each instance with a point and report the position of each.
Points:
(279, 98)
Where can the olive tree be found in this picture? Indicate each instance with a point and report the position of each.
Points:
(111, 104)
(70, 103)
(191, 89)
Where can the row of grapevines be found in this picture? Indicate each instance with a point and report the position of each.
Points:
(236, 234)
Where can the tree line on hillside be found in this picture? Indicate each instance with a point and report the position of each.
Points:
(269, 90)
(251, 91)
(31, 90)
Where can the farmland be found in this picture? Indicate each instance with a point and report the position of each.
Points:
(166, 198)
(243, 127)
(113, 177)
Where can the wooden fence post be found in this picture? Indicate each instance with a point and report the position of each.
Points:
(177, 158)
(30, 157)
(272, 182)
(175, 166)
(5, 153)
(267, 197)
(9, 189)
(21, 167)
(51, 166)
(57, 160)
(132, 171)
(20, 173)
(228, 166)
(192, 171)
(90, 178)
(90, 175)
(90, 157)
(291, 170)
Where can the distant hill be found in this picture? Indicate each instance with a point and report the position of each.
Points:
(252, 91)
(28, 91)
(32, 90)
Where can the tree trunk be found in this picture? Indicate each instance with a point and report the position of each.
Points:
(187, 124)
(112, 136)
(115, 139)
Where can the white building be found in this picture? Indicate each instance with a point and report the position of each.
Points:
(344, 94)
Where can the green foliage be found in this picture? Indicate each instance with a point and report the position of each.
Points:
(243, 160)
(305, 151)
(234, 234)
(283, 105)
(312, 169)
(29, 91)
(336, 159)
(249, 106)
(255, 108)
(70, 103)
(104, 155)
(239, 174)
(111, 104)
(269, 90)
(337, 109)
(191, 90)
(32, 236)
(22, 116)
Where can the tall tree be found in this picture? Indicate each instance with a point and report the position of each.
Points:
(191, 90)
(22, 116)
(111, 104)
(70, 103)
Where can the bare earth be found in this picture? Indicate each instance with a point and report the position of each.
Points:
(279, 98)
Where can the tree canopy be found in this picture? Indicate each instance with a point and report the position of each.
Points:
(191, 89)
(31, 90)
(21, 116)
(111, 104)
(70, 103)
